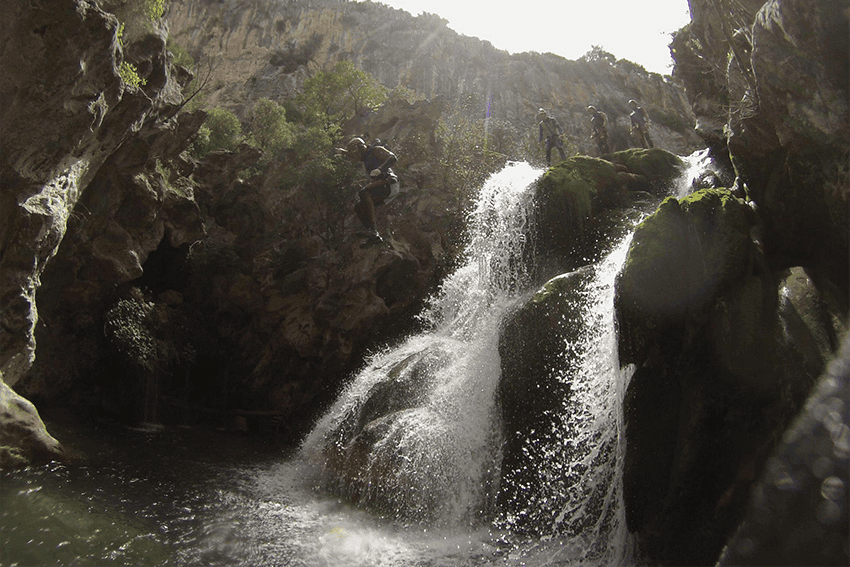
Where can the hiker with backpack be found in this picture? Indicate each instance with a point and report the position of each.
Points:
(551, 131)
(599, 132)
(382, 186)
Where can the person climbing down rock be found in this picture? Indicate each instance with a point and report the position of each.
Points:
(550, 130)
(640, 125)
(598, 130)
(381, 187)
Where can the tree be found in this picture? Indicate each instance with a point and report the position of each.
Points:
(461, 137)
(220, 131)
(269, 128)
(340, 94)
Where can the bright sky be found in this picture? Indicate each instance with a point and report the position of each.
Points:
(637, 30)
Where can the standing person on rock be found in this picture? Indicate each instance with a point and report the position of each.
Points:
(598, 130)
(551, 131)
(640, 125)
(382, 186)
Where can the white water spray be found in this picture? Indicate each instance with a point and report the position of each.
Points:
(697, 166)
(579, 461)
(416, 434)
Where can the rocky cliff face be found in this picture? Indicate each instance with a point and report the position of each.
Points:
(110, 206)
(267, 48)
(726, 356)
(160, 279)
(66, 114)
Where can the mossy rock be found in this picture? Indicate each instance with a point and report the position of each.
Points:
(538, 346)
(531, 342)
(569, 197)
(660, 167)
(681, 258)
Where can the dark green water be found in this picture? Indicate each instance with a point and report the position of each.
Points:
(173, 497)
(183, 497)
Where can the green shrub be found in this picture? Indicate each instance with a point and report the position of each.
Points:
(154, 9)
(221, 131)
(126, 70)
(269, 128)
(340, 94)
(130, 75)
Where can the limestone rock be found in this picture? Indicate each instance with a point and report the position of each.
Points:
(267, 49)
(63, 140)
(723, 363)
(577, 198)
(24, 439)
(539, 351)
(798, 510)
(711, 249)
(771, 79)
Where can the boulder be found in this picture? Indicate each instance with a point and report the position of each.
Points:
(658, 167)
(680, 259)
(725, 351)
(570, 199)
(581, 201)
(539, 347)
(797, 513)
(769, 83)
(24, 439)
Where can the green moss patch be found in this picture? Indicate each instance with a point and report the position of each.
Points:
(660, 167)
(683, 255)
(570, 195)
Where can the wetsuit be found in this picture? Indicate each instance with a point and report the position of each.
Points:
(638, 119)
(551, 130)
(381, 189)
(600, 133)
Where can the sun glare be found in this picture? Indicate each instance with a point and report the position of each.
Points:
(637, 31)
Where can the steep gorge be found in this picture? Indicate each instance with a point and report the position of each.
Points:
(103, 216)
(267, 48)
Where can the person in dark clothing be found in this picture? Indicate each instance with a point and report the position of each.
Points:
(382, 186)
(599, 132)
(640, 125)
(551, 131)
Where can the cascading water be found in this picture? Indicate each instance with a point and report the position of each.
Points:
(432, 454)
(415, 441)
(416, 435)
(577, 500)
(700, 169)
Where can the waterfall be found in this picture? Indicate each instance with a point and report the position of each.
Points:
(577, 499)
(700, 168)
(416, 434)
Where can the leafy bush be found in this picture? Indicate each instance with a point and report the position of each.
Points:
(181, 56)
(400, 92)
(130, 75)
(212, 256)
(461, 139)
(154, 9)
(269, 128)
(338, 95)
(126, 70)
(221, 131)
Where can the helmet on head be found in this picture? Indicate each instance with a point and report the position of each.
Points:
(356, 145)
(633, 102)
(591, 108)
(541, 114)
